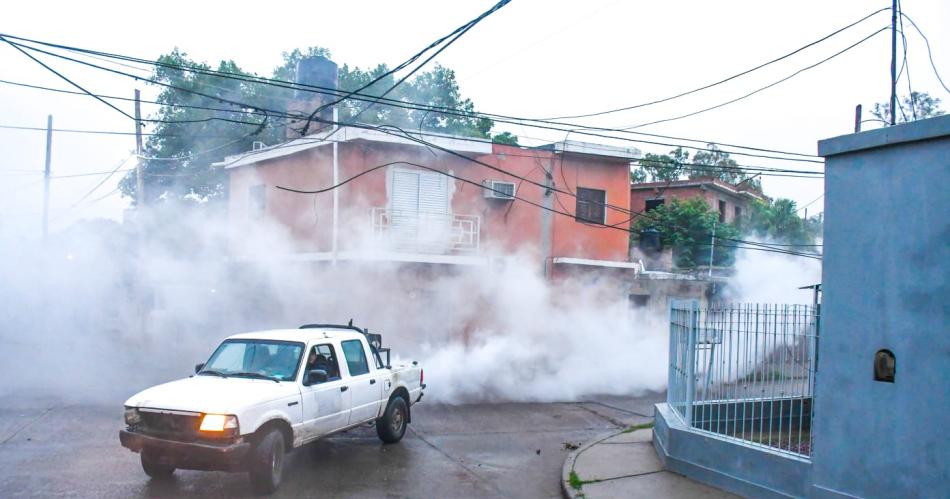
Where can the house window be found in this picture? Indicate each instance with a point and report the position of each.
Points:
(590, 205)
(255, 201)
(653, 204)
(638, 301)
(722, 211)
(738, 214)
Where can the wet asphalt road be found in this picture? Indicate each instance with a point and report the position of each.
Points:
(480, 450)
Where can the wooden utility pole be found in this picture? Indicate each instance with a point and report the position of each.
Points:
(49, 152)
(894, 62)
(139, 175)
(712, 249)
(857, 118)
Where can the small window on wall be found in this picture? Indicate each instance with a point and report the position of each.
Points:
(639, 301)
(256, 203)
(590, 205)
(722, 211)
(653, 204)
(738, 213)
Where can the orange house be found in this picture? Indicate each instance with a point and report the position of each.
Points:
(451, 200)
(729, 200)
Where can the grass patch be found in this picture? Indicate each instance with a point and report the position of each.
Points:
(634, 428)
(575, 481)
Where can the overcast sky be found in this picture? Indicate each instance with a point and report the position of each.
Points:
(533, 58)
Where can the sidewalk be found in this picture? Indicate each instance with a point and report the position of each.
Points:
(624, 464)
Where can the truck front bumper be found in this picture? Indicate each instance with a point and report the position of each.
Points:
(189, 455)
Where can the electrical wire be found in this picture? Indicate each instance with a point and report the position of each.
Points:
(929, 53)
(724, 80)
(580, 129)
(750, 94)
(451, 37)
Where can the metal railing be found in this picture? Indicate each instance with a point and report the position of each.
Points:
(745, 372)
(426, 232)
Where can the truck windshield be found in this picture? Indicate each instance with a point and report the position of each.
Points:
(277, 360)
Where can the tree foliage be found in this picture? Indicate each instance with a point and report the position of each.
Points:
(778, 221)
(916, 106)
(710, 163)
(686, 226)
(186, 141)
(506, 138)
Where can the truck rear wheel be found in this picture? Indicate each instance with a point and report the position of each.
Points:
(154, 469)
(267, 463)
(392, 425)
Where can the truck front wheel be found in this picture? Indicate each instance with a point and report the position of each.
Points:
(392, 425)
(154, 469)
(267, 463)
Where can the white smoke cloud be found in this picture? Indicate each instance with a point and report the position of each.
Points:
(92, 316)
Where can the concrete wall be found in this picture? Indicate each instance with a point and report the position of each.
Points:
(887, 248)
(737, 468)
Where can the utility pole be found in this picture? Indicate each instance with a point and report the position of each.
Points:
(336, 189)
(893, 62)
(49, 153)
(712, 249)
(139, 174)
(857, 118)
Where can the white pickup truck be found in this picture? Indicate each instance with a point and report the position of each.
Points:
(262, 394)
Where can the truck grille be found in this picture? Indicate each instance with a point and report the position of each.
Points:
(181, 427)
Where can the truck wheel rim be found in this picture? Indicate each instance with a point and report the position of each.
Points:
(397, 420)
(275, 464)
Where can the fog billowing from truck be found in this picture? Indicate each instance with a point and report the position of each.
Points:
(94, 314)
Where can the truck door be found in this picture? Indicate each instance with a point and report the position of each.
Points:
(325, 405)
(363, 383)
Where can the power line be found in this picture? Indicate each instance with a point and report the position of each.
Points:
(104, 179)
(500, 118)
(766, 171)
(454, 35)
(929, 53)
(724, 80)
(737, 99)
(427, 144)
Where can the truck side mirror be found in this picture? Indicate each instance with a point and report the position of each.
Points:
(199, 366)
(316, 376)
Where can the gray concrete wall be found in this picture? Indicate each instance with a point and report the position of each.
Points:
(725, 464)
(887, 248)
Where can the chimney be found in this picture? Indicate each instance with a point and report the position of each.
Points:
(315, 71)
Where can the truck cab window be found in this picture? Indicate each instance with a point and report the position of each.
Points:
(355, 357)
(323, 357)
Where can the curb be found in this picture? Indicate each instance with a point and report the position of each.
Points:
(568, 466)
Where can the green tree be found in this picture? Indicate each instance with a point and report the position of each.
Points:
(777, 220)
(638, 175)
(186, 141)
(710, 163)
(916, 106)
(665, 167)
(686, 226)
(506, 138)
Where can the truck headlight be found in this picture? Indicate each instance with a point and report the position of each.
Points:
(132, 416)
(218, 423)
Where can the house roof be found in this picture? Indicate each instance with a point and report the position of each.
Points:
(451, 142)
(703, 183)
(576, 147)
(351, 134)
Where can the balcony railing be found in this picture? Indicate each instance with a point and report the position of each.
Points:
(425, 232)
